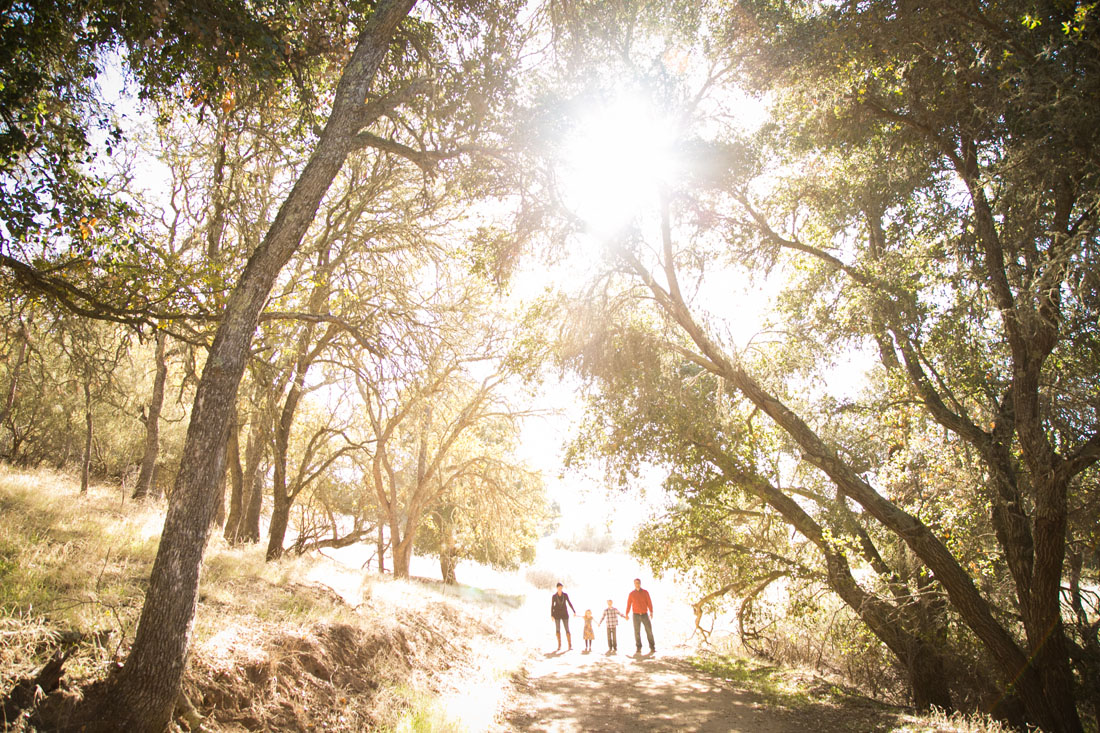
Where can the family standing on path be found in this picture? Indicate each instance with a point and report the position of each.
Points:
(639, 606)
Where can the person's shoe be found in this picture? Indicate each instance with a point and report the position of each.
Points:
(559, 642)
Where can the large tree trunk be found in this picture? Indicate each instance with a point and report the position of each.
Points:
(146, 689)
(152, 422)
(1031, 328)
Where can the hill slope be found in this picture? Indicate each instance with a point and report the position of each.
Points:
(303, 644)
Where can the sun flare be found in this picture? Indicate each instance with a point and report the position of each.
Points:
(616, 157)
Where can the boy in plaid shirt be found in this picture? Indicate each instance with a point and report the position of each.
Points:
(611, 616)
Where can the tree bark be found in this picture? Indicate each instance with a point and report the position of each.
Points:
(86, 458)
(15, 366)
(249, 529)
(283, 497)
(152, 421)
(381, 545)
(219, 502)
(402, 548)
(236, 482)
(146, 688)
(280, 519)
(402, 559)
(447, 564)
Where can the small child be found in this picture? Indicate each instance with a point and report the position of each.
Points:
(611, 616)
(589, 634)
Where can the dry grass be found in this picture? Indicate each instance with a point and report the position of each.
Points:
(793, 687)
(955, 723)
(72, 569)
(302, 644)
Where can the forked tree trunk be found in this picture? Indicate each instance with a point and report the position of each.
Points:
(145, 691)
(152, 422)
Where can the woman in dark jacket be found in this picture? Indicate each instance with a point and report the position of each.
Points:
(558, 612)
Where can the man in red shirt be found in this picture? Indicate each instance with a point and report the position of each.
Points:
(640, 604)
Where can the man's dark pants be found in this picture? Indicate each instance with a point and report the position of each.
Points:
(639, 620)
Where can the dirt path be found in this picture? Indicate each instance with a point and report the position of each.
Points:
(574, 691)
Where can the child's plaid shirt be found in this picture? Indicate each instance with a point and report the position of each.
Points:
(611, 616)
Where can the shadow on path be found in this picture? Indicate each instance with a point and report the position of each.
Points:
(568, 692)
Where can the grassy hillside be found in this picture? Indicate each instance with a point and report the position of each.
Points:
(301, 644)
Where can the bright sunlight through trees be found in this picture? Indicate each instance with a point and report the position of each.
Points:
(617, 156)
